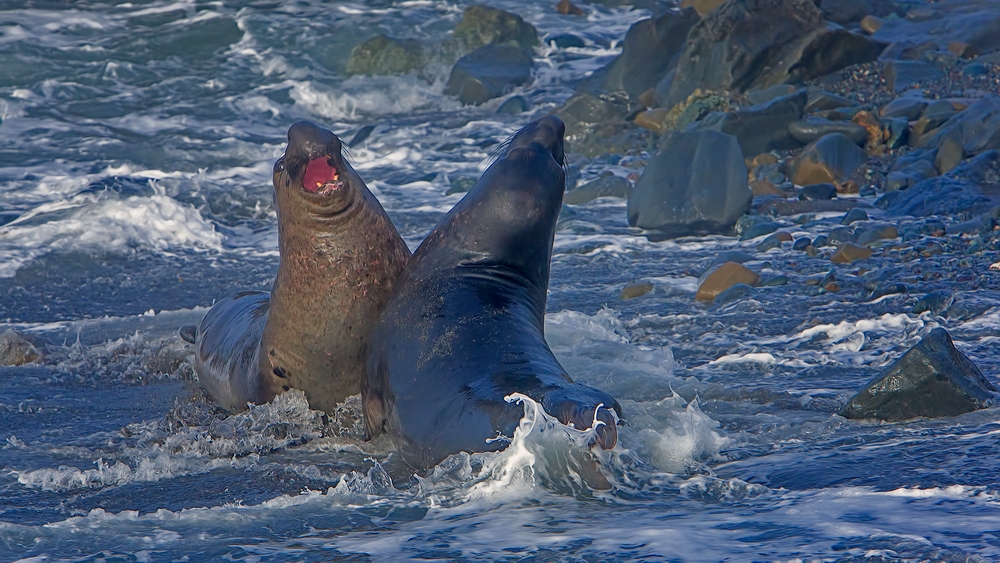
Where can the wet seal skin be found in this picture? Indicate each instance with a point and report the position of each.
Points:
(340, 257)
(466, 325)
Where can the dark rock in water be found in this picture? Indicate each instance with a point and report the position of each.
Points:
(839, 235)
(721, 278)
(830, 159)
(901, 75)
(820, 100)
(817, 192)
(514, 104)
(382, 55)
(482, 25)
(854, 216)
(935, 302)
(969, 189)
(565, 41)
(15, 350)
(752, 44)
(933, 379)
(761, 128)
(812, 128)
(772, 241)
(607, 186)
(974, 22)
(846, 12)
(361, 135)
(733, 293)
(488, 72)
(801, 244)
(871, 236)
(976, 129)
(888, 289)
(737, 256)
(696, 184)
(753, 226)
(650, 50)
(908, 105)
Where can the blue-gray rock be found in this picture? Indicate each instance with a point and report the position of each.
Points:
(768, 243)
(759, 128)
(829, 159)
(888, 289)
(697, 183)
(801, 244)
(483, 25)
(854, 216)
(759, 229)
(514, 104)
(909, 105)
(361, 135)
(748, 45)
(976, 129)
(974, 22)
(935, 302)
(488, 72)
(812, 128)
(969, 189)
(901, 75)
(565, 41)
(737, 256)
(606, 186)
(757, 97)
(899, 132)
(933, 379)
(909, 176)
(733, 293)
(816, 192)
(838, 236)
(820, 100)
(821, 241)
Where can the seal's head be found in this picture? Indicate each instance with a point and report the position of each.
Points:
(313, 173)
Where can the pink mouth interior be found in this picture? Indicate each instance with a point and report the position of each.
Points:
(319, 173)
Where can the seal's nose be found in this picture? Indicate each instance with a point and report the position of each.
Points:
(308, 141)
(549, 132)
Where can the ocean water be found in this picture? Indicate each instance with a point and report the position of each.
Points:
(136, 143)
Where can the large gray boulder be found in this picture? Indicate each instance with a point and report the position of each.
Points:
(650, 50)
(753, 44)
(760, 128)
(933, 379)
(696, 184)
(488, 72)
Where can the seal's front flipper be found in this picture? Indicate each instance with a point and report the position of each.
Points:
(585, 407)
(189, 333)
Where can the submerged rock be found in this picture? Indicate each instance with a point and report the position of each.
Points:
(696, 184)
(15, 350)
(482, 25)
(752, 44)
(724, 277)
(933, 379)
(382, 55)
(488, 72)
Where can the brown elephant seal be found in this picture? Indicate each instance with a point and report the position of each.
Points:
(465, 327)
(340, 256)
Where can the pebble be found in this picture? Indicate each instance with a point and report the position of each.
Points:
(801, 244)
(821, 241)
(849, 252)
(871, 24)
(724, 277)
(839, 235)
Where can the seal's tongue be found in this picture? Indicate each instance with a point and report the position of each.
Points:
(320, 174)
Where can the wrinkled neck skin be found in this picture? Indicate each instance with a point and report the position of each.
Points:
(335, 273)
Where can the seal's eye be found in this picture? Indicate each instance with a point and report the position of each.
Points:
(279, 166)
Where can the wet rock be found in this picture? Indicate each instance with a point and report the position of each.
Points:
(935, 302)
(514, 104)
(482, 25)
(821, 241)
(724, 277)
(361, 135)
(967, 190)
(949, 155)
(849, 252)
(854, 216)
(566, 41)
(871, 24)
(15, 350)
(801, 244)
(976, 129)
(383, 55)
(488, 72)
(606, 186)
(909, 106)
(760, 128)
(839, 235)
(737, 256)
(933, 379)
(772, 241)
(812, 128)
(650, 50)
(752, 44)
(910, 175)
(974, 22)
(901, 75)
(702, 6)
(758, 229)
(887, 232)
(817, 192)
(846, 12)
(696, 184)
(888, 289)
(652, 119)
(633, 290)
(734, 293)
(830, 159)
(776, 207)
(820, 100)
(567, 8)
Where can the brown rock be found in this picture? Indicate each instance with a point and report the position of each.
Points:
(849, 252)
(829, 159)
(832, 287)
(763, 187)
(963, 49)
(783, 236)
(871, 124)
(764, 159)
(648, 98)
(724, 277)
(848, 187)
(871, 24)
(950, 154)
(652, 119)
(634, 290)
(15, 350)
(702, 6)
(872, 236)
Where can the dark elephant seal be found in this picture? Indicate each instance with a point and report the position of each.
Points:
(340, 257)
(465, 327)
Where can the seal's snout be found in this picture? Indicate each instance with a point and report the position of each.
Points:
(547, 132)
(320, 150)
